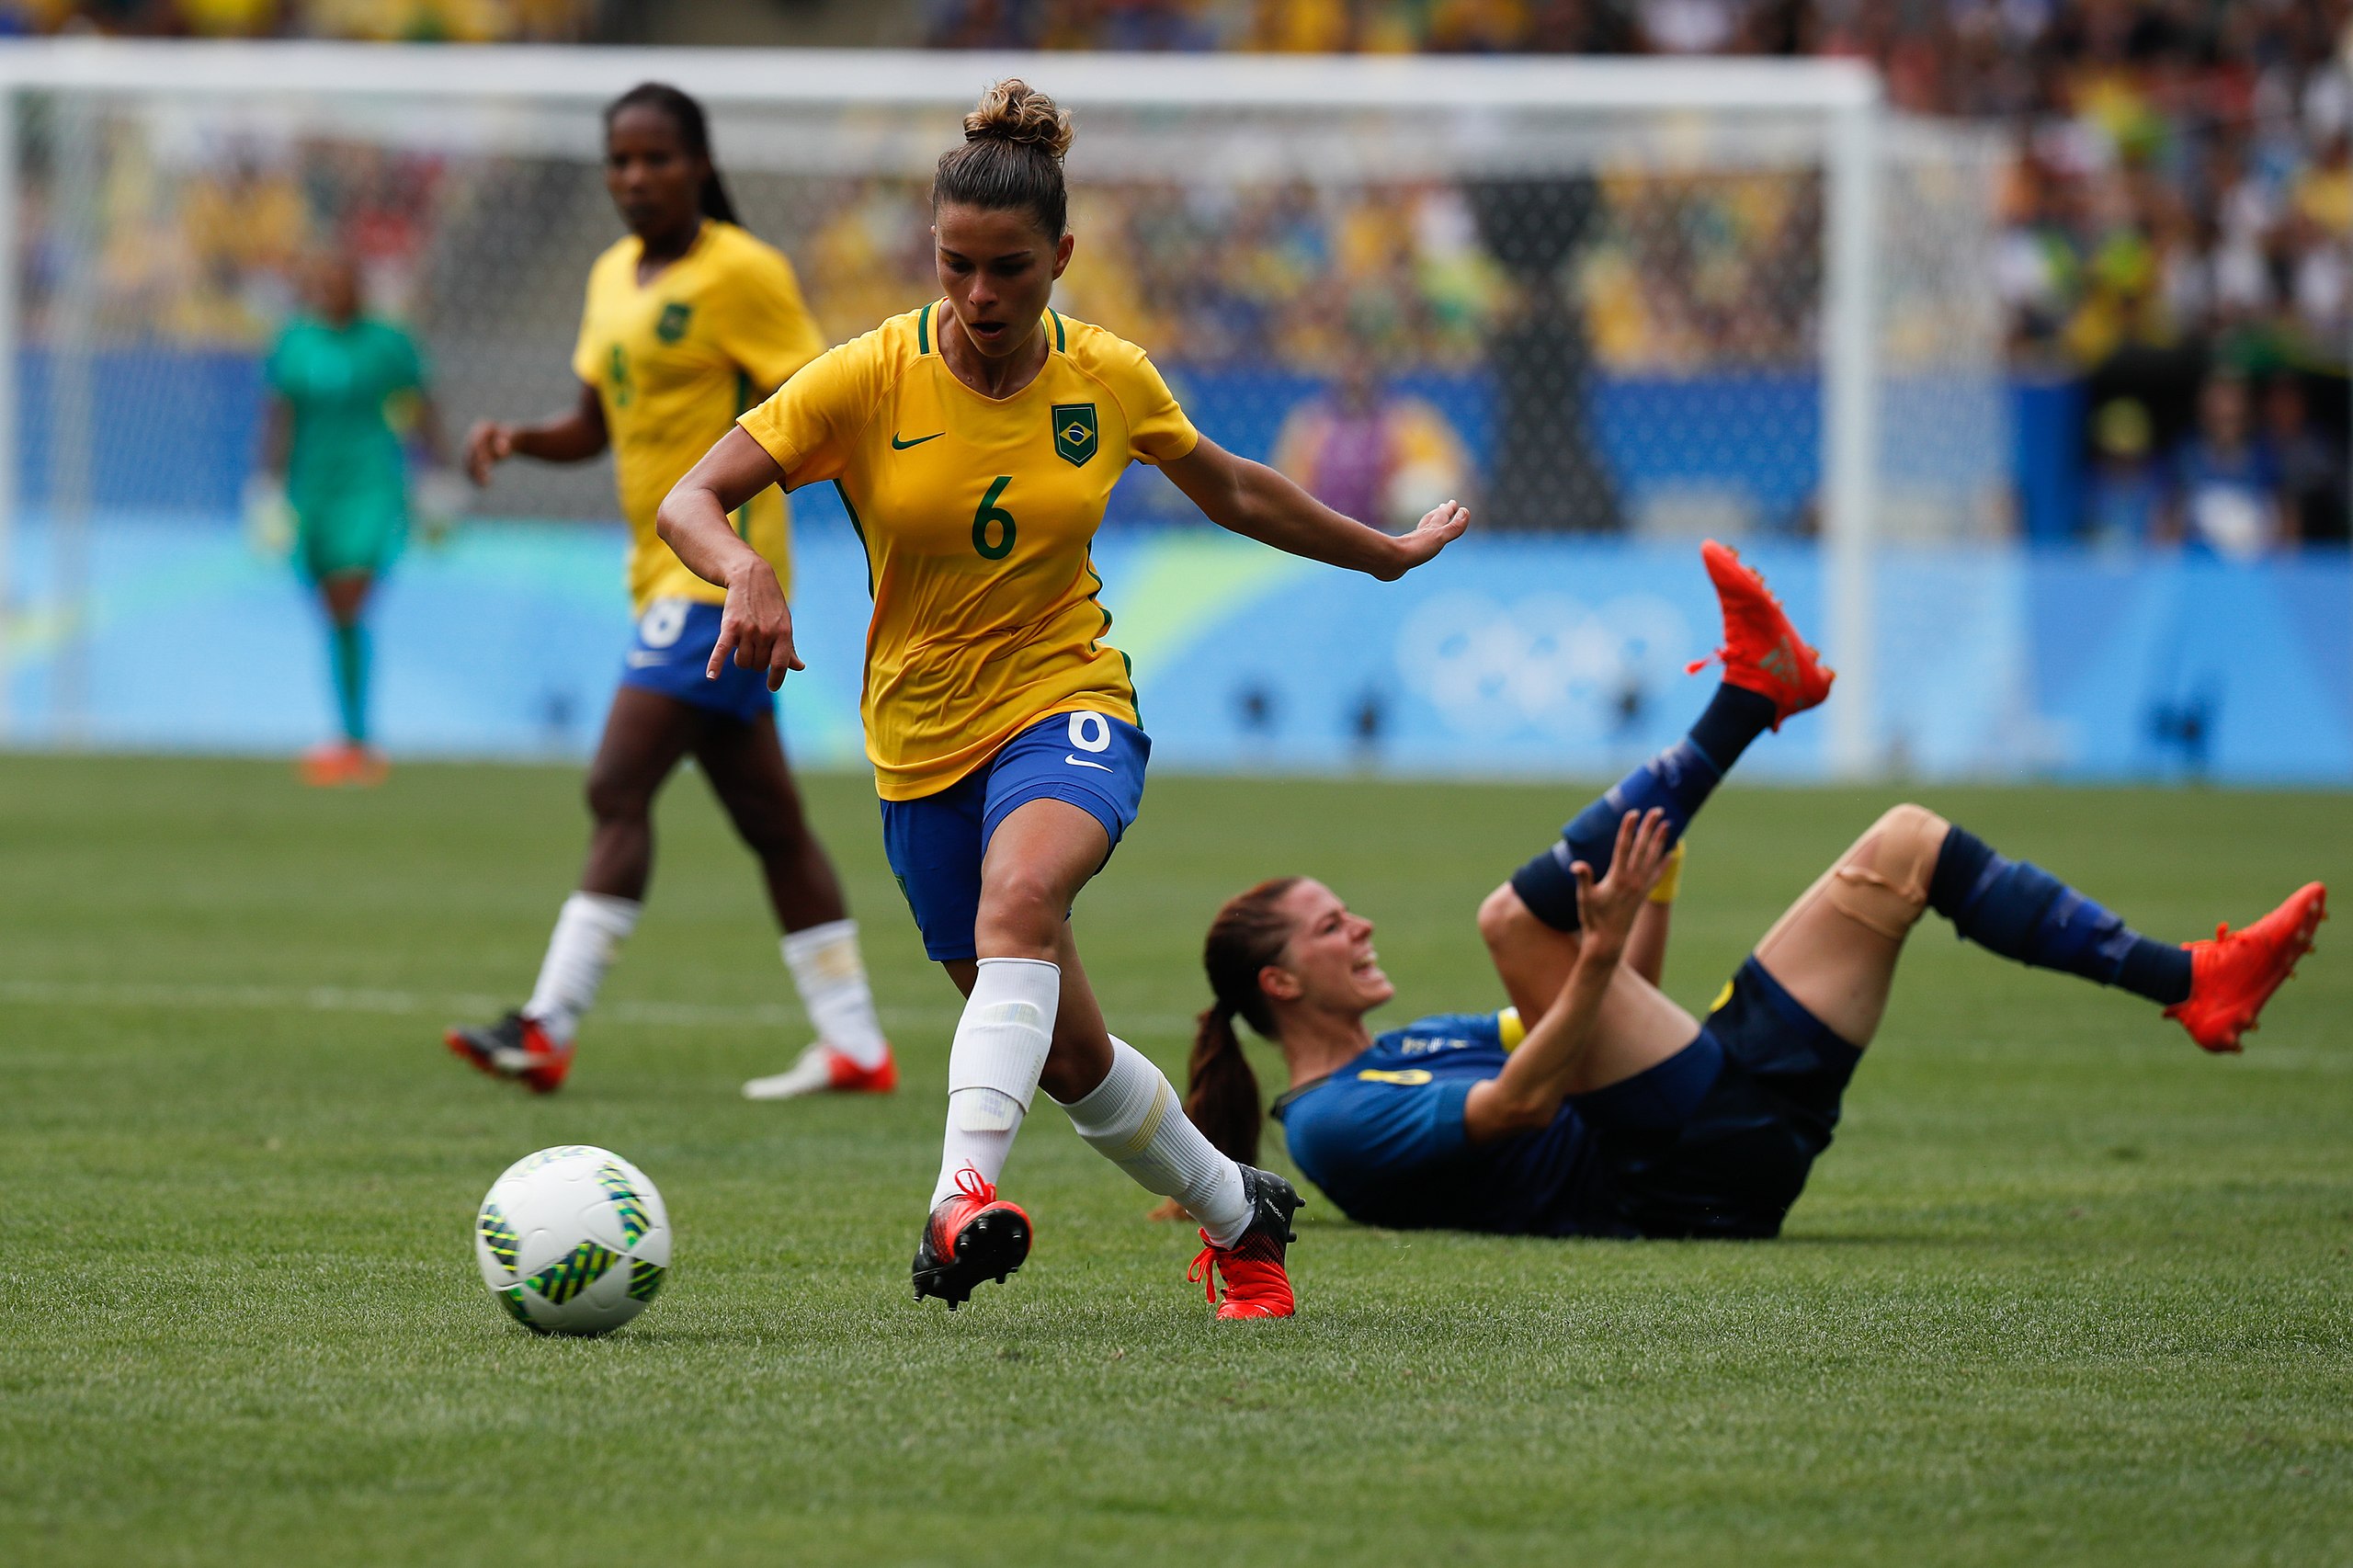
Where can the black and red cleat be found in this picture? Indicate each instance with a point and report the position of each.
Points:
(514, 1048)
(2233, 976)
(1762, 652)
(970, 1239)
(1252, 1268)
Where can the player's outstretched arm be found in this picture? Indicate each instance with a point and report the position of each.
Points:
(1527, 1092)
(571, 436)
(755, 627)
(1257, 501)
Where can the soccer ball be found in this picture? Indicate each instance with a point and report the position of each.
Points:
(573, 1240)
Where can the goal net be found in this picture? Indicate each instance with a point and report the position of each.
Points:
(1633, 299)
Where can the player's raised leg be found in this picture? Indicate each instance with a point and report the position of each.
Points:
(1835, 950)
(745, 764)
(1770, 674)
(645, 735)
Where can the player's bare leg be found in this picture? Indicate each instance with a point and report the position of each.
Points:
(1032, 1020)
(747, 767)
(645, 734)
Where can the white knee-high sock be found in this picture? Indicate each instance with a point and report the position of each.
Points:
(588, 933)
(992, 1067)
(1134, 1119)
(831, 977)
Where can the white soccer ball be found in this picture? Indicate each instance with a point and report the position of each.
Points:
(573, 1240)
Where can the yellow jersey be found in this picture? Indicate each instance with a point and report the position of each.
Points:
(673, 361)
(977, 515)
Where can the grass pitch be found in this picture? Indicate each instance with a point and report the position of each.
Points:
(2064, 1290)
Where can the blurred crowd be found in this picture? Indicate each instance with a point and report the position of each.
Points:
(410, 21)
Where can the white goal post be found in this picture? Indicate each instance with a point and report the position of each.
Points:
(1167, 119)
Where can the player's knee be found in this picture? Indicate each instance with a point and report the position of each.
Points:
(1021, 901)
(1883, 882)
(1504, 919)
(612, 800)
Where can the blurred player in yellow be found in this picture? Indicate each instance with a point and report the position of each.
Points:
(689, 321)
(975, 442)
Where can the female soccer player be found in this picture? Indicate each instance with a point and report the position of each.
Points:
(689, 321)
(331, 453)
(1615, 1112)
(974, 442)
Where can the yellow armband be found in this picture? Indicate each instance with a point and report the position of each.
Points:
(1672, 877)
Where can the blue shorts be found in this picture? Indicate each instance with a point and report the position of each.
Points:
(1736, 1166)
(671, 650)
(935, 844)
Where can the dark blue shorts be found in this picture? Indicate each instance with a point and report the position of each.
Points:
(935, 844)
(1736, 1166)
(670, 651)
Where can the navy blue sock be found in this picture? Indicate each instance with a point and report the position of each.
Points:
(2020, 911)
(1677, 781)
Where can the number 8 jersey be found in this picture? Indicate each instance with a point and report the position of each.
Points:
(978, 515)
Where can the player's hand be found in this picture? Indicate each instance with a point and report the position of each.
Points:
(1439, 527)
(488, 444)
(755, 627)
(1607, 908)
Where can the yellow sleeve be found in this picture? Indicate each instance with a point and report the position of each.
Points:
(766, 327)
(809, 423)
(1158, 431)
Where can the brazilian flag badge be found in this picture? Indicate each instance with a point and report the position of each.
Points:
(673, 324)
(1075, 437)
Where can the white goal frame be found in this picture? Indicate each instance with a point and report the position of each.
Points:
(1845, 94)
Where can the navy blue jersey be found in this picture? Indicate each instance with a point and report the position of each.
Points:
(1383, 1138)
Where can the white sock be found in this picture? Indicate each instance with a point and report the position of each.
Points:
(1134, 1119)
(588, 933)
(992, 1067)
(831, 978)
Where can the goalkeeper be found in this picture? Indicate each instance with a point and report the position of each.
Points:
(1614, 1112)
(342, 384)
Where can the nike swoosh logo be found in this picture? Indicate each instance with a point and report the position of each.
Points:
(899, 446)
(1081, 762)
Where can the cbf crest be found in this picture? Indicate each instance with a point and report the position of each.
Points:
(673, 324)
(1075, 435)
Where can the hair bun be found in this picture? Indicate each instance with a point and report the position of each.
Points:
(1013, 112)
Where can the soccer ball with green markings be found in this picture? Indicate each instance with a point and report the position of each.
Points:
(573, 1240)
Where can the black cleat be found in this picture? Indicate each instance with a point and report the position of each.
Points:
(969, 1240)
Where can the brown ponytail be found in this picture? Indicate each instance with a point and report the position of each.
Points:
(1221, 1091)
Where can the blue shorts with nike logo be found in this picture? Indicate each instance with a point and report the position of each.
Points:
(935, 844)
(671, 650)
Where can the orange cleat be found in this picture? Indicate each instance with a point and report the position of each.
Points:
(1762, 652)
(516, 1047)
(2233, 976)
(1252, 1268)
(822, 1070)
(342, 764)
(970, 1239)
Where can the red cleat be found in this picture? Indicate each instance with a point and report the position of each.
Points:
(516, 1047)
(2233, 976)
(1762, 652)
(822, 1070)
(341, 764)
(1252, 1268)
(970, 1239)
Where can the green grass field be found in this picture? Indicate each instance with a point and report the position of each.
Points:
(2066, 1291)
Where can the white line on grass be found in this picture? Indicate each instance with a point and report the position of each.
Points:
(344, 999)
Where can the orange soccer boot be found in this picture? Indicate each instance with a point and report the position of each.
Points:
(1252, 1268)
(972, 1237)
(1762, 652)
(2233, 976)
(515, 1048)
(822, 1070)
